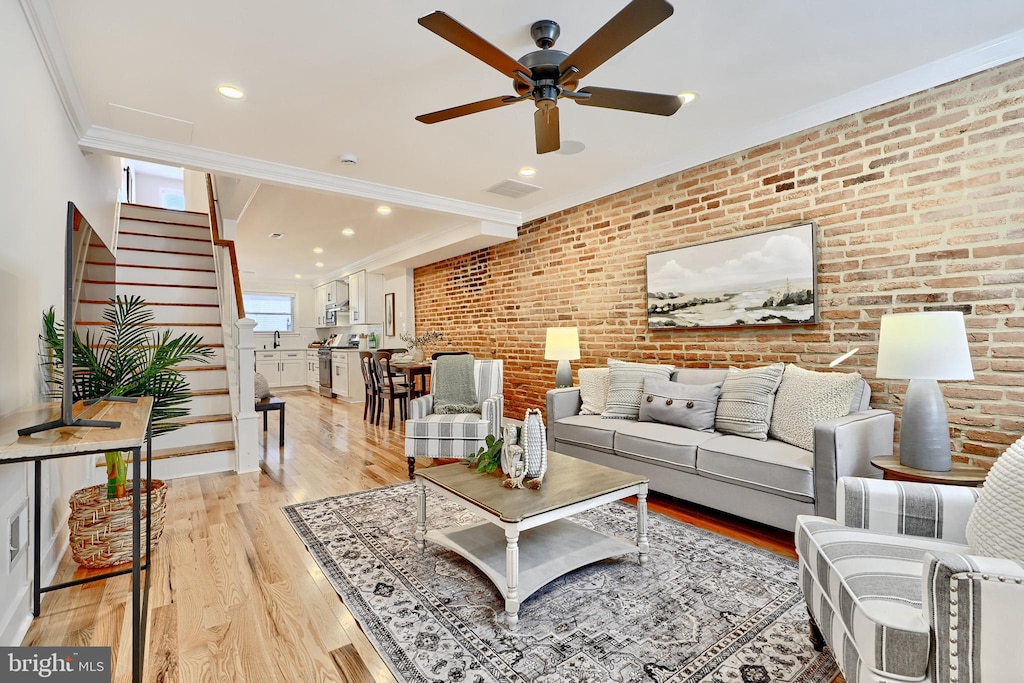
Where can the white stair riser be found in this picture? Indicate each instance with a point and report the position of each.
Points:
(218, 404)
(160, 276)
(159, 293)
(190, 435)
(209, 335)
(183, 466)
(129, 239)
(164, 229)
(147, 213)
(202, 380)
(129, 257)
(163, 314)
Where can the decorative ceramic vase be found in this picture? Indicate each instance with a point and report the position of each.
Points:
(535, 444)
(417, 354)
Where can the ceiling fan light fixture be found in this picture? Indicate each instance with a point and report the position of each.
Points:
(231, 92)
(688, 97)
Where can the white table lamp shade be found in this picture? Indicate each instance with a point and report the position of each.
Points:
(927, 345)
(562, 343)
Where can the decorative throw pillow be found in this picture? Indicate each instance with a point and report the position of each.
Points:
(593, 390)
(625, 386)
(681, 405)
(745, 404)
(996, 525)
(806, 397)
(262, 386)
(453, 385)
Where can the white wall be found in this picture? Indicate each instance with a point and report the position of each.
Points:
(41, 168)
(148, 186)
(405, 314)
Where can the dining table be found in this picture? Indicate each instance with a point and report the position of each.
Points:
(417, 376)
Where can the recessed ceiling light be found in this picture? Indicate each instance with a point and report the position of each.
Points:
(276, 235)
(348, 232)
(383, 210)
(318, 250)
(687, 97)
(319, 264)
(527, 172)
(231, 92)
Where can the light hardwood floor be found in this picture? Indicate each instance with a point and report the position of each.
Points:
(235, 595)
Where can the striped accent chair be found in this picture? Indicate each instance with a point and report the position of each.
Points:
(896, 593)
(456, 436)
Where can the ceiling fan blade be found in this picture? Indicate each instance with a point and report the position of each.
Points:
(465, 39)
(631, 100)
(545, 124)
(464, 109)
(634, 20)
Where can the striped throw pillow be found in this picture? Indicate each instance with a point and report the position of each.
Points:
(626, 386)
(745, 404)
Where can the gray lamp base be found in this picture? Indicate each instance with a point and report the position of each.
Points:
(563, 375)
(924, 428)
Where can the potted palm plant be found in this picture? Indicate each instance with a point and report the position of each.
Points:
(128, 357)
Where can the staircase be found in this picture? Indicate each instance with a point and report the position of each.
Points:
(166, 257)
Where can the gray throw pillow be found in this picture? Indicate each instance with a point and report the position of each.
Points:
(626, 385)
(682, 405)
(745, 404)
(261, 386)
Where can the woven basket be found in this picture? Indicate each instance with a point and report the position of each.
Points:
(101, 527)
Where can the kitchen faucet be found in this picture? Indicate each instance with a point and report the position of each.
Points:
(277, 338)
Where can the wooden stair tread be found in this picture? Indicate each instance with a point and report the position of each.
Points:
(165, 453)
(209, 392)
(163, 222)
(164, 209)
(166, 251)
(141, 265)
(199, 368)
(153, 303)
(120, 283)
(163, 237)
(103, 322)
(204, 419)
(150, 346)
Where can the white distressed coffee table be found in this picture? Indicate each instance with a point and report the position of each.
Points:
(526, 541)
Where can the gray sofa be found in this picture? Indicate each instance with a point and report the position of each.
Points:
(767, 481)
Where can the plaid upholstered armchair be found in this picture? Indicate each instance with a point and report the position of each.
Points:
(458, 435)
(896, 590)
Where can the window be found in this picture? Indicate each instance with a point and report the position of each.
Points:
(272, 312)
(172, 199)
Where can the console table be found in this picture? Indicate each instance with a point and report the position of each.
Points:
(65, 442)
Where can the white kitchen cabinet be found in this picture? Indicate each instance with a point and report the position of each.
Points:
(312, 370)
(346, 377)
(282, 368)
(327, 294)
(366, 298)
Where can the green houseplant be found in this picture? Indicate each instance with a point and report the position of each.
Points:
(128, 357)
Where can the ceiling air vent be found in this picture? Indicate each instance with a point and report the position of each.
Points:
(513, 188)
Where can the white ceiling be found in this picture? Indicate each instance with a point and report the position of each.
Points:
(325, 78)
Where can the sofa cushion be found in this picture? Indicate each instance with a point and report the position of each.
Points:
(625, 386)
(683, 405)
(771, 466)
(869, 585)
(745, 404)
(996, 525)
(591, 431)
(593, 390)
(660, 444)
(471, 426)
(699, 375)
(805, 397)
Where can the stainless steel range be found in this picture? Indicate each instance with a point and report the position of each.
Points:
(324, 355)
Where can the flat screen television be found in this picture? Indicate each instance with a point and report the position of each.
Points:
(89, 278)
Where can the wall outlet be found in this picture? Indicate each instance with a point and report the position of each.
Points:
(17, 534)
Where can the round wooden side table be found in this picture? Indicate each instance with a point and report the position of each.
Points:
(960, 475)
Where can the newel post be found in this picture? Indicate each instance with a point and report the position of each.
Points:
(246, 421)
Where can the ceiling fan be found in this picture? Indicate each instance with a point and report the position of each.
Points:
(546, 75)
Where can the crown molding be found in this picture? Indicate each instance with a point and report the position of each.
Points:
(975, 60)
(105, 140)
(43, 23)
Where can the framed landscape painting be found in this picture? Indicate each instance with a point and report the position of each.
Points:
(764, 279)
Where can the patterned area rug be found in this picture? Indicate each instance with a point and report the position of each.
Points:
(704, 609)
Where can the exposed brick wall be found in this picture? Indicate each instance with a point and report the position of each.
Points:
(919, 204)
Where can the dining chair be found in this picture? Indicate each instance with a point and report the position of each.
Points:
(390, 391)
(370, 382)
